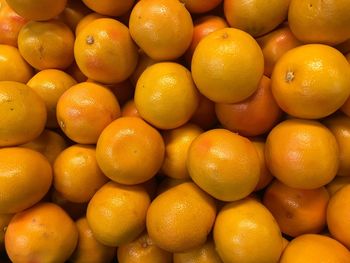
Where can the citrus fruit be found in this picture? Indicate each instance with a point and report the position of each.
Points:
(83, 22)
(198, 6)
(129, 110)
(109, 7)
(73, 12)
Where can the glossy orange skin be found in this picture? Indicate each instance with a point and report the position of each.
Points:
(198, 6)
(109, 7)
(129, 109)
(253, 116)
(204, 116)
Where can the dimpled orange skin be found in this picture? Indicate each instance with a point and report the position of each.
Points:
(25, 177)
(227, 65)
(302, 154)
(162, 28)
(84, 110)
(101, 46)
(172, 218)
(123, 144)
(42, 233)
(311, 81)
(224, 164)
(18, 105)
(109, 7)
(315, 248)
(117, 213)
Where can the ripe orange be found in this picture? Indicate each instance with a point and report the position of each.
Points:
(315, 248)
(227, 65)
(246, 232)
(224, 164)
(73, 12)
(165, 95)
(172, 218)
(311, 81)
(296, 148)
(204, 116)
(297, 211)
(83, 22)
(42, 233)
(130, 151)
(143, 250)
(46, 45)
(84, 110)
(324, 22)
(253, 116)
(337, 183)
(198, 6)
(101, 46)
(161, 28)
(255, 17)
(23, 114)
(109, 7)
(129, 110)
(116, 214)
(50, 84)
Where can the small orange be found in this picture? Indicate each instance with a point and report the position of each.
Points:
(198, 6)
(39, 9)
(311, 81)
(204, 116)
(255, 17)
(84, 110)
(76, 175)
(297, 211)
(172, 218)
(337, 183)
(73, 12)
(88, 248)
(42, 233)
(12, 66)
(315, 248)
(4, 221)
(129, 109)
(143, 63)
(227, 65)
(10, 24)
(224, 164)
(143, 250)
(253, 116)
(101, 46)
(109, 7)
(50, 84)
(130, 151)
(83, 22)
(165, 95)
(116, 214)
(177, 142)
(296, 148)
(74, 210)
(161, 28)
(23, 114)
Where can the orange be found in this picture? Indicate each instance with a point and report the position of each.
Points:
(49, 143)
(177, 143)
(10, 24)
(143, 63)
(109, 7)
(227, 65)
(340, 127)
(116, 214)
(265, 175)
(161, 28)
(74, 210)
(296, 148)
(73, 13)
(143, 250)
(297, 211)
(167, 182)
(315, 248)
(4, 221)
(88, 248)
(275, 44)
(255, 17)
(42, 233)
(12, 66)
(23, 114)
(129, 109)
(25, 177)
(198, 6)
(253, 116)
(338, 212)
(46, 45)
(311, 81)
(202, 27)
(101, 46)
(246, 232)
(76, 175)
(130, 151)
(224, 164)
(84, 110)
(50, 84)
(37, 10)
(204, 116)
(337, 183)
(324, 22)
(203, 254)
(87, 20)
(165, 95)
(172, 218)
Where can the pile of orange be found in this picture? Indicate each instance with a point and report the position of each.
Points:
(185, 131)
